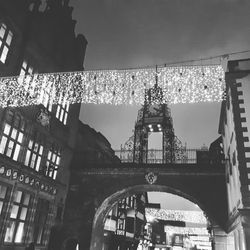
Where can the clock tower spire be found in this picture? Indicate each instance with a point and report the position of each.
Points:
(154, 116)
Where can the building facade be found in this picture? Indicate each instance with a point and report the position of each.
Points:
(91, 148)
(36, 142)
(235, 130)
(125, 224)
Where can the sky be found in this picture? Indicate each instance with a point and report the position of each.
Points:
(172, 202)
(132, 33)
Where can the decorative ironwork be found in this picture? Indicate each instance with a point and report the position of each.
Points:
(182, 155)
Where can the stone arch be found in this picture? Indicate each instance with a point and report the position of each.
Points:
(102, 211)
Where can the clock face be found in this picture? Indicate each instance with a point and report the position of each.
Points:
(154, 110)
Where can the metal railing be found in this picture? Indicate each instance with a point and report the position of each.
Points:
(190, 156)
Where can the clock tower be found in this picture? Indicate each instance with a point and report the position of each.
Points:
(155, 116)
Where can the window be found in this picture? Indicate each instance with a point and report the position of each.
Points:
(12, 136)
(62, 110)
(34, 154)
(26, 69)
(42, 211)
(53, 162)
(47, 94)
(3, 192)
(16, 228)
(5, 40)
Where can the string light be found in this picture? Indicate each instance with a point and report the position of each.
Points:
(187, 230)
(177, 215)
(194, 84)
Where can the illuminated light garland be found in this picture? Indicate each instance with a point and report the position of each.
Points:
(183, 84)
(186, 230)
(177, 215)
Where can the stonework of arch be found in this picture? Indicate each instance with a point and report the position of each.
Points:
(107, 204)
(94, 190)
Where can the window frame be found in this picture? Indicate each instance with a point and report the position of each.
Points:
(12, 135)
(4, 199)
(29, 70)
(18, 220)
(4, 44)
(53, 164)
(62, 110)
(36, 150)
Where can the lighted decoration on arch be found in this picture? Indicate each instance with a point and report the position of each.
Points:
(183, 84)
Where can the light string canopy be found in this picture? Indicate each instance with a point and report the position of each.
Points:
(179, 84)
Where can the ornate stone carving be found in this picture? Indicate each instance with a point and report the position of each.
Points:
(151, 178)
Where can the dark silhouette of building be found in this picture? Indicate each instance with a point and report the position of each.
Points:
(36, 142)
(91, 148)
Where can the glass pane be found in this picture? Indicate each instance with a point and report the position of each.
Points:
(22, 72)
(20, 137)
(16, 153)
(27, 158)
(4, 54)
(54, 157)
(3, 191)
(30, 70)
(9, 38)
(6, 129)
(1, 206)
(14, 133)
(9, 232)
(10, 148)
(14, 211)
(65, 118)
(3, 144)
(57, 111)
(17, 196)
(19, 232)
(51, 171)
(58, 160)
(2, 31)
(24, 65)
(38, 163)
(23, 213)
(36, 147)
(41, 150)
(67, 107)
(61, 115)
(49, 155)
(54, 175)
(26, 199)
(30, 144)
(50, 106)
(33, 159)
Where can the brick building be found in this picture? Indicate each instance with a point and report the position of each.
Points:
(36, 142)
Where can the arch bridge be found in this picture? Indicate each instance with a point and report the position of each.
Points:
(95, 188)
